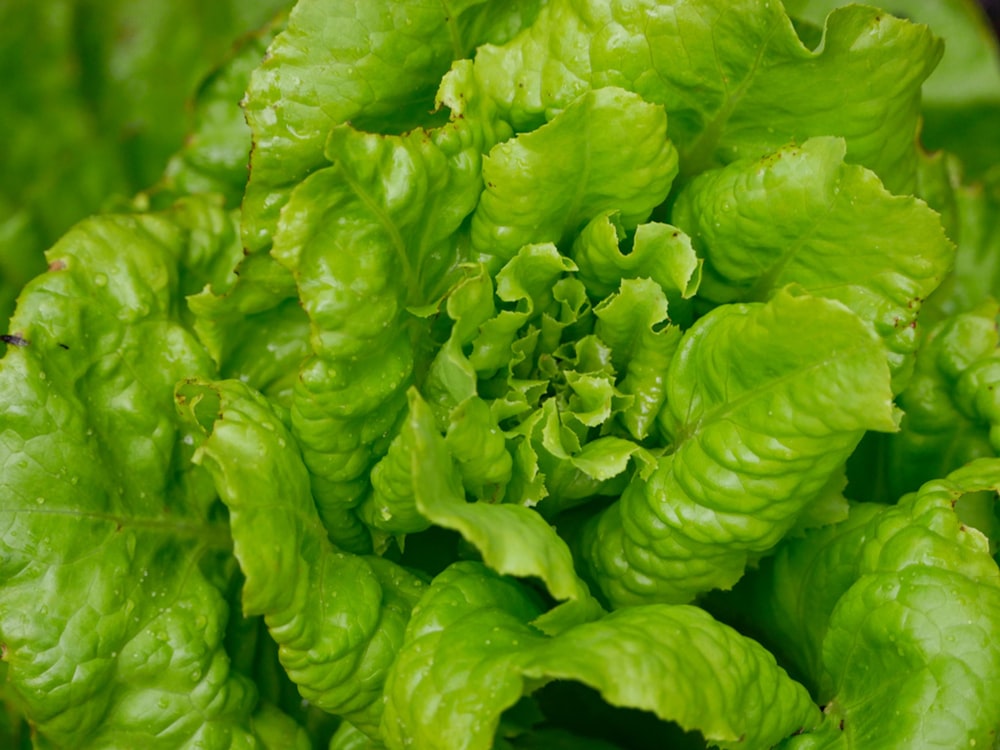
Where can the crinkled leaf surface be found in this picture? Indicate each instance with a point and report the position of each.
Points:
(892, 617)
(952, 407)
(470, 653)
(254, 328)
(114, 561)
(802, 216)
(607, 150)
(763, 405)
(734, 78)
(366, 239)
(376, 65)
(338, 618)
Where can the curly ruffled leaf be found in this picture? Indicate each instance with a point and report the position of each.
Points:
(658, 251)
(761, 411)
(470, 653)
(367, 238)
(528, 281)
(802, 216)
(369, 64)
(338, 618)
(734, 78)
(539, 189)
(631, 323)
(113, 563)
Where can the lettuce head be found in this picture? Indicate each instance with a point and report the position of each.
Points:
(506, 374)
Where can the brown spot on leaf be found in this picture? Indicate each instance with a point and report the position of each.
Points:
(14, 339)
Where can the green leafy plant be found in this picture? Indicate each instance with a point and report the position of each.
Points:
(563, 374)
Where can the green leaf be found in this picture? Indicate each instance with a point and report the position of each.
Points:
(972, 212)
(375, 65)
(961, 98)
(456, 671)
(348, 737)
(337, 618)
(513, 540)
(214, 156)
(254, 328)
(894, 624)
(479, 448)
(367, 239)
(952, 407)
(658, 252)
(470, 654)
(114, 561)
(631, 323)
(760, 413)
(892, 617)
(734, 78)
(694, 671)
(802, 216)
(539, 189)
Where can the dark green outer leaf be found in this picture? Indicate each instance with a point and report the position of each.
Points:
(892, 617)
(112, 629)
(337, 618)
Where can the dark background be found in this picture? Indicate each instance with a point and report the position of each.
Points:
(993, 11)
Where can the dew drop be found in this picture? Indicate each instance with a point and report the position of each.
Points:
(101, 279)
